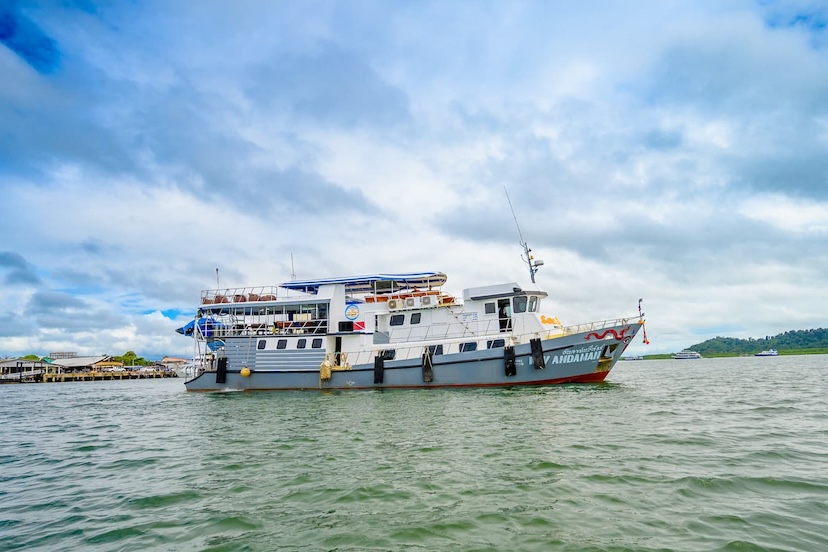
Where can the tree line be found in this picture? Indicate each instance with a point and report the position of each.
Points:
(790, 340)
(129, 358)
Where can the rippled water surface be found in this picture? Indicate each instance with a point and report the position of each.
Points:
(713, 454)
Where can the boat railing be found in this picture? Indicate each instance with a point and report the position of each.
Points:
(600, 325)
(486, 334)
(239, 295)
(461, 329)
(385, 295)
(317, 326)
(412, 342)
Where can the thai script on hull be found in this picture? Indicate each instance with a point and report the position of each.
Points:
(581, 354)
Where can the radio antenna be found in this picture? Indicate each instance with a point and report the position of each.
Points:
(533, 263)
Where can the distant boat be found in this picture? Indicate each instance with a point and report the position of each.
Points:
(769, 352)
(633, 357)
(686, 354)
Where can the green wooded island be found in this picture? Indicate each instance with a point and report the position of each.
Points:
(793, 342)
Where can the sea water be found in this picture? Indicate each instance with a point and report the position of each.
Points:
(711, 454)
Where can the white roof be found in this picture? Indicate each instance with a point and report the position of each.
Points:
(76, 362)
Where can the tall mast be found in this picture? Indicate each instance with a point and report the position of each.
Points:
(530, 261)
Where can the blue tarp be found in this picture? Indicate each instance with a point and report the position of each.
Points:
(187, 329)
(205, 325)
(215, 345)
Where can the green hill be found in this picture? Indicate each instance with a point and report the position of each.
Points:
(788, 341)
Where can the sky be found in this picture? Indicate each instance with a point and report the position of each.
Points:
(675, 152)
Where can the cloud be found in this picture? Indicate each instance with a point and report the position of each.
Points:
(330, 87)
(18, 271)
(675, 152)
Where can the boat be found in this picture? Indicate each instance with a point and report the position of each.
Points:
(632, 357)
(190, 369)
(769, 352)
(384, 331)
(686, 354)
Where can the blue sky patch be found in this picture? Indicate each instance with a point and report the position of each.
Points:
(27, 40)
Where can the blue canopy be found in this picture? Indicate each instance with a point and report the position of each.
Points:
(373, 283)
(205, 325)
(187, 329)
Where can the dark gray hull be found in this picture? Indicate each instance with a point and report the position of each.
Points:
(585, 357)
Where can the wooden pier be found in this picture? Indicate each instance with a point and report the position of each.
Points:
(106, 376)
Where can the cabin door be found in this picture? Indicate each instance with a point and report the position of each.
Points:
(504, 315)
(337, 349)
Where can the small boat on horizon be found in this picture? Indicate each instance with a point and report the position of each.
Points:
(687, 354)
(769, 352)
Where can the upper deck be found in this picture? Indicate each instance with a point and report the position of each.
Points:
(355, 286)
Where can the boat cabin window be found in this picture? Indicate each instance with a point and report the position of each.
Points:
(316, 343)
(281, 344)
(519, 303)
(261, 344)
(533, 303)
(292, 310)
(346, 326)
(495, 343)
(383, 285)
(435, 350)
(470, 346)
(305, 312)
(415, 317)
(301, 343)
(388, 354)
(397, 319)
(490, 308)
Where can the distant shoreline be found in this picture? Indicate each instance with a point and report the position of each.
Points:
(782, 352)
